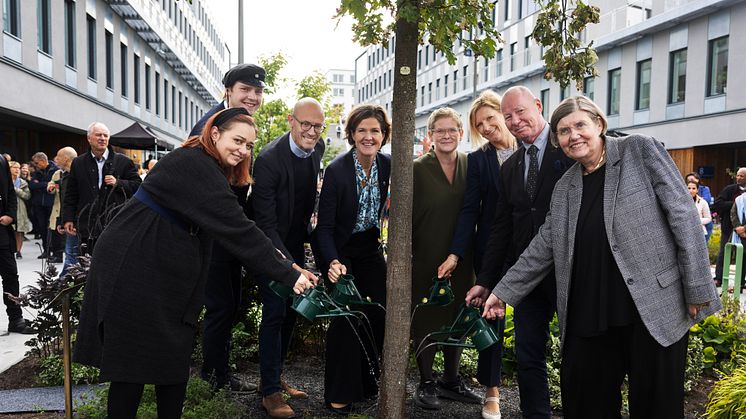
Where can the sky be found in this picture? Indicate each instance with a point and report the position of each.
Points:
(304, 31)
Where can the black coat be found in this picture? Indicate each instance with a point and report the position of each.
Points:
(200, 125)
(480, 201)
(722, 205)
(517, 218)
(10, 202)
(145, 288)
(38, 186)
(84, 201)
(338, 204)
(273, 193)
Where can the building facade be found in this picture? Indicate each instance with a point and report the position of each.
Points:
(67, 63)
(342, 83)
(663, 71)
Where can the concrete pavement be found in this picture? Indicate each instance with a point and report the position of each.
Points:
(12, 346)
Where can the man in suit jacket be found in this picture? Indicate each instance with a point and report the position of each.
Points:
(723, 204)
(98, 182)
(244, 87)
(8, 267)
(283, 199)
(517, 220)
(41, 200)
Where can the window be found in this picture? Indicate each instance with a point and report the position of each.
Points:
(123, 70)
(147, 86)
(615, 79)
(677, 76)
(527, 50)
(173, 105)
(157, 93)
(44, 38)
(181, 110)
(717, 74)
(513, 52)
(165, 99)
(466, 79)
(499, 62)
(109, 41)
(455, 81)
(419, 59)
(427, 54)
(507, 11)
(12, 17)
(430, 92)
(565, 92)
(643, 84)
(70, 33)
(445, 85)
(422, 96)
(136, 74)
(486, 75)
(589, 87)
(544, 97)
(437, 89)
(91, 34)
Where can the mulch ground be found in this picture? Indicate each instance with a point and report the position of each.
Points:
(307, 374)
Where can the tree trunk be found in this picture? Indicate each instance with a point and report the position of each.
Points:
(399, 274)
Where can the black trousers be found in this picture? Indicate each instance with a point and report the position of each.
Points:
(9, 273)
(42, 214)
(124, 399)
(352, 357)
(489, 364)
(593, 369)
(222, 301)
(532, 317)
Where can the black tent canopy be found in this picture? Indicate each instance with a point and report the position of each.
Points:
(139, 137)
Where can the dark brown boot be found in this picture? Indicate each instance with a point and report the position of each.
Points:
(293, 392)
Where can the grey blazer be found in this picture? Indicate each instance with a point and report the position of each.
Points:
(654, 234)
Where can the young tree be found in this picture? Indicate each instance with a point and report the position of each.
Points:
(443, 22)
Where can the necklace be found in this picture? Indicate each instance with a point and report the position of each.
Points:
(600, 162)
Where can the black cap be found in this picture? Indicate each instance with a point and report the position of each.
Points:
(246, 73)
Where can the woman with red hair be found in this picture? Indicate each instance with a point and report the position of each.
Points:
(144, 291)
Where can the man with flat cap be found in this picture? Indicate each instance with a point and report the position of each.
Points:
(244, 87)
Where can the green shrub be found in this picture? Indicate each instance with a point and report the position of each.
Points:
(713, 246)
(728, 397)
(200, 402)
(694, 362)
(53, 373)
(723, 335)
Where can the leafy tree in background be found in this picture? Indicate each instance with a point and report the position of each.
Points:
(443, 22)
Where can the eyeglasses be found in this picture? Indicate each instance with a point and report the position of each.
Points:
(305, 125)
(579, 127)
(440, 132)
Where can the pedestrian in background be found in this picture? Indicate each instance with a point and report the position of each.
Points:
(705, 194)
(58, 186)
(41, 200)
(22, 224)
(723, 205)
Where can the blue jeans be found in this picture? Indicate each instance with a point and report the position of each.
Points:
(71, 253)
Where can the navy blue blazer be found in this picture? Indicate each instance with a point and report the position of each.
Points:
(517, 217)
(480, 200)
(273, 194)
(338, 204)
(200, 125)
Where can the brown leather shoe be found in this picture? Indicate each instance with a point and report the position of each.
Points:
(293, 392)
(276, 406)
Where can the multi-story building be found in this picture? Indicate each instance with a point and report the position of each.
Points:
(67, 63)
(663, 71)
(342, 83)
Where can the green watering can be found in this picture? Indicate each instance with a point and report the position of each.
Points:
(468, 324)
(440, 293)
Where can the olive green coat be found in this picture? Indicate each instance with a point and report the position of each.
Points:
(436, 205)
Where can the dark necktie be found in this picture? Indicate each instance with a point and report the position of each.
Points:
(533, 172)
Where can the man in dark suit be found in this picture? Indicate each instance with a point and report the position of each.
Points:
(244, 87)
(8, 267)
(284, 195)
(41, 200)
(723, 204)
(527, 179)
(99, 182)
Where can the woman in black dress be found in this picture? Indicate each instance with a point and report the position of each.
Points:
(144, 290)
(352, 200)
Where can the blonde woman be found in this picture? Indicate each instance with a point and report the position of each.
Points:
(495, 145)
(22, 224)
